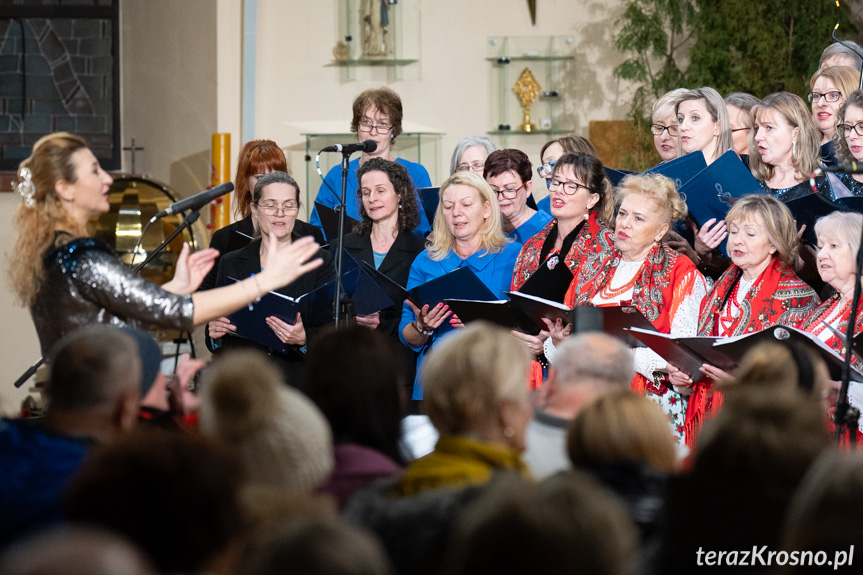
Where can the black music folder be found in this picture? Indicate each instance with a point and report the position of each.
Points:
(330, 221)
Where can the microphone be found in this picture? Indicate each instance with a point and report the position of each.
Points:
(849, 168)
(195, 202)
(368, 147)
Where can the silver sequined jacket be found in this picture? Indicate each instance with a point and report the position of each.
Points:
(85, 283)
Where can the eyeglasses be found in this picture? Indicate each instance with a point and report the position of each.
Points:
(832, 96)
(508, 193)
(846, 129)
(569, 188)
(273, 209)
(544, 170)
(472, 167)
(369, 126)
(739, 129)
(657, 129)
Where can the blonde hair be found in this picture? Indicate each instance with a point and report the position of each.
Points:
(469, 372)
(658, 188)
(718, 113)
(667, 104)
(793, 109)
(50, 162)
(621, 425)
(778, 223)
(491, 232)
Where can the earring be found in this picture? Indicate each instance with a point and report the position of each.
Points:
(794, 149)
(508, 432)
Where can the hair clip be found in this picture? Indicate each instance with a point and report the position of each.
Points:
(25, 187)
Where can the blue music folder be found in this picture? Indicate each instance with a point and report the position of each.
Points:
(429, 198)
(681, 169)
(727, 177)
(615, 176)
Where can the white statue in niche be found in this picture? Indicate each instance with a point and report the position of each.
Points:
(374, 18)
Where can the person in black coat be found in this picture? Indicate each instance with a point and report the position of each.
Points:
(389, 210)
(258, 157)
(276, 201)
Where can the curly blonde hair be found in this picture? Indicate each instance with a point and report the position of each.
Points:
(658, 188)
(50, 162)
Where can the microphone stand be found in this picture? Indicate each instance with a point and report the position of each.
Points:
(187, 221)
(845, 414)
(342, 304)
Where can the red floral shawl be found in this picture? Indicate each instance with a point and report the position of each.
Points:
(777, 297)
(662, 283)
(594, 238)
(814, 320)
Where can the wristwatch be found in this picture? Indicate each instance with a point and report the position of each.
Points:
(426, 333)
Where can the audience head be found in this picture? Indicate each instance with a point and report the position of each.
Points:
(75, 550)
(355, 377)
(763, 436)
(648, 203)
(258, 157)
(783, 135)
(767, 227)
(554, 149)
(150, 355)
(385, 189)
(315, 546)
(702, 121)
(569, 523)
(470, 154)
(585, 366)
(830, 87)
(379, 107)
(621, 426)
(282, 439)
(838, 240)
(848, 141)
(845, 53)
(824, 514)
(95, 382)
(593, 190)
(175, 495)
(467, 197)
(475, 383)
(664, 126)
(739, 106)
(506, 170)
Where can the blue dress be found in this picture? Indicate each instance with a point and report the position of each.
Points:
(855, 187)
(494, 270)
(797, 191)
(531, 227)
(544, 205)
(331, 188)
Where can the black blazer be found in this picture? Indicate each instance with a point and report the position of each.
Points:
(243, 263)
(222, 237)
(396, 265)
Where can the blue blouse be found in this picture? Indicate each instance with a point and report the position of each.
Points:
(799, 190)
(331, 188)
(494, 270)
(531, 227)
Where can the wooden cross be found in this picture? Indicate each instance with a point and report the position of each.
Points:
(133, 149)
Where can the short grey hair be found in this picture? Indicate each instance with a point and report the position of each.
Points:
(594, 356)
(844, 226)
(462, 147)
(847, 49)
(743, 101)
(274, 178)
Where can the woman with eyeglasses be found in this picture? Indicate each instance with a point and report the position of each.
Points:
(664, 126)
(509, 172)
(581, 201)
(470, 154)
(784, 147)
(275, 202)
(849, 139)
(739, 106)
(830, 86)
(377, 116)
(643, 272)
(549, 154)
